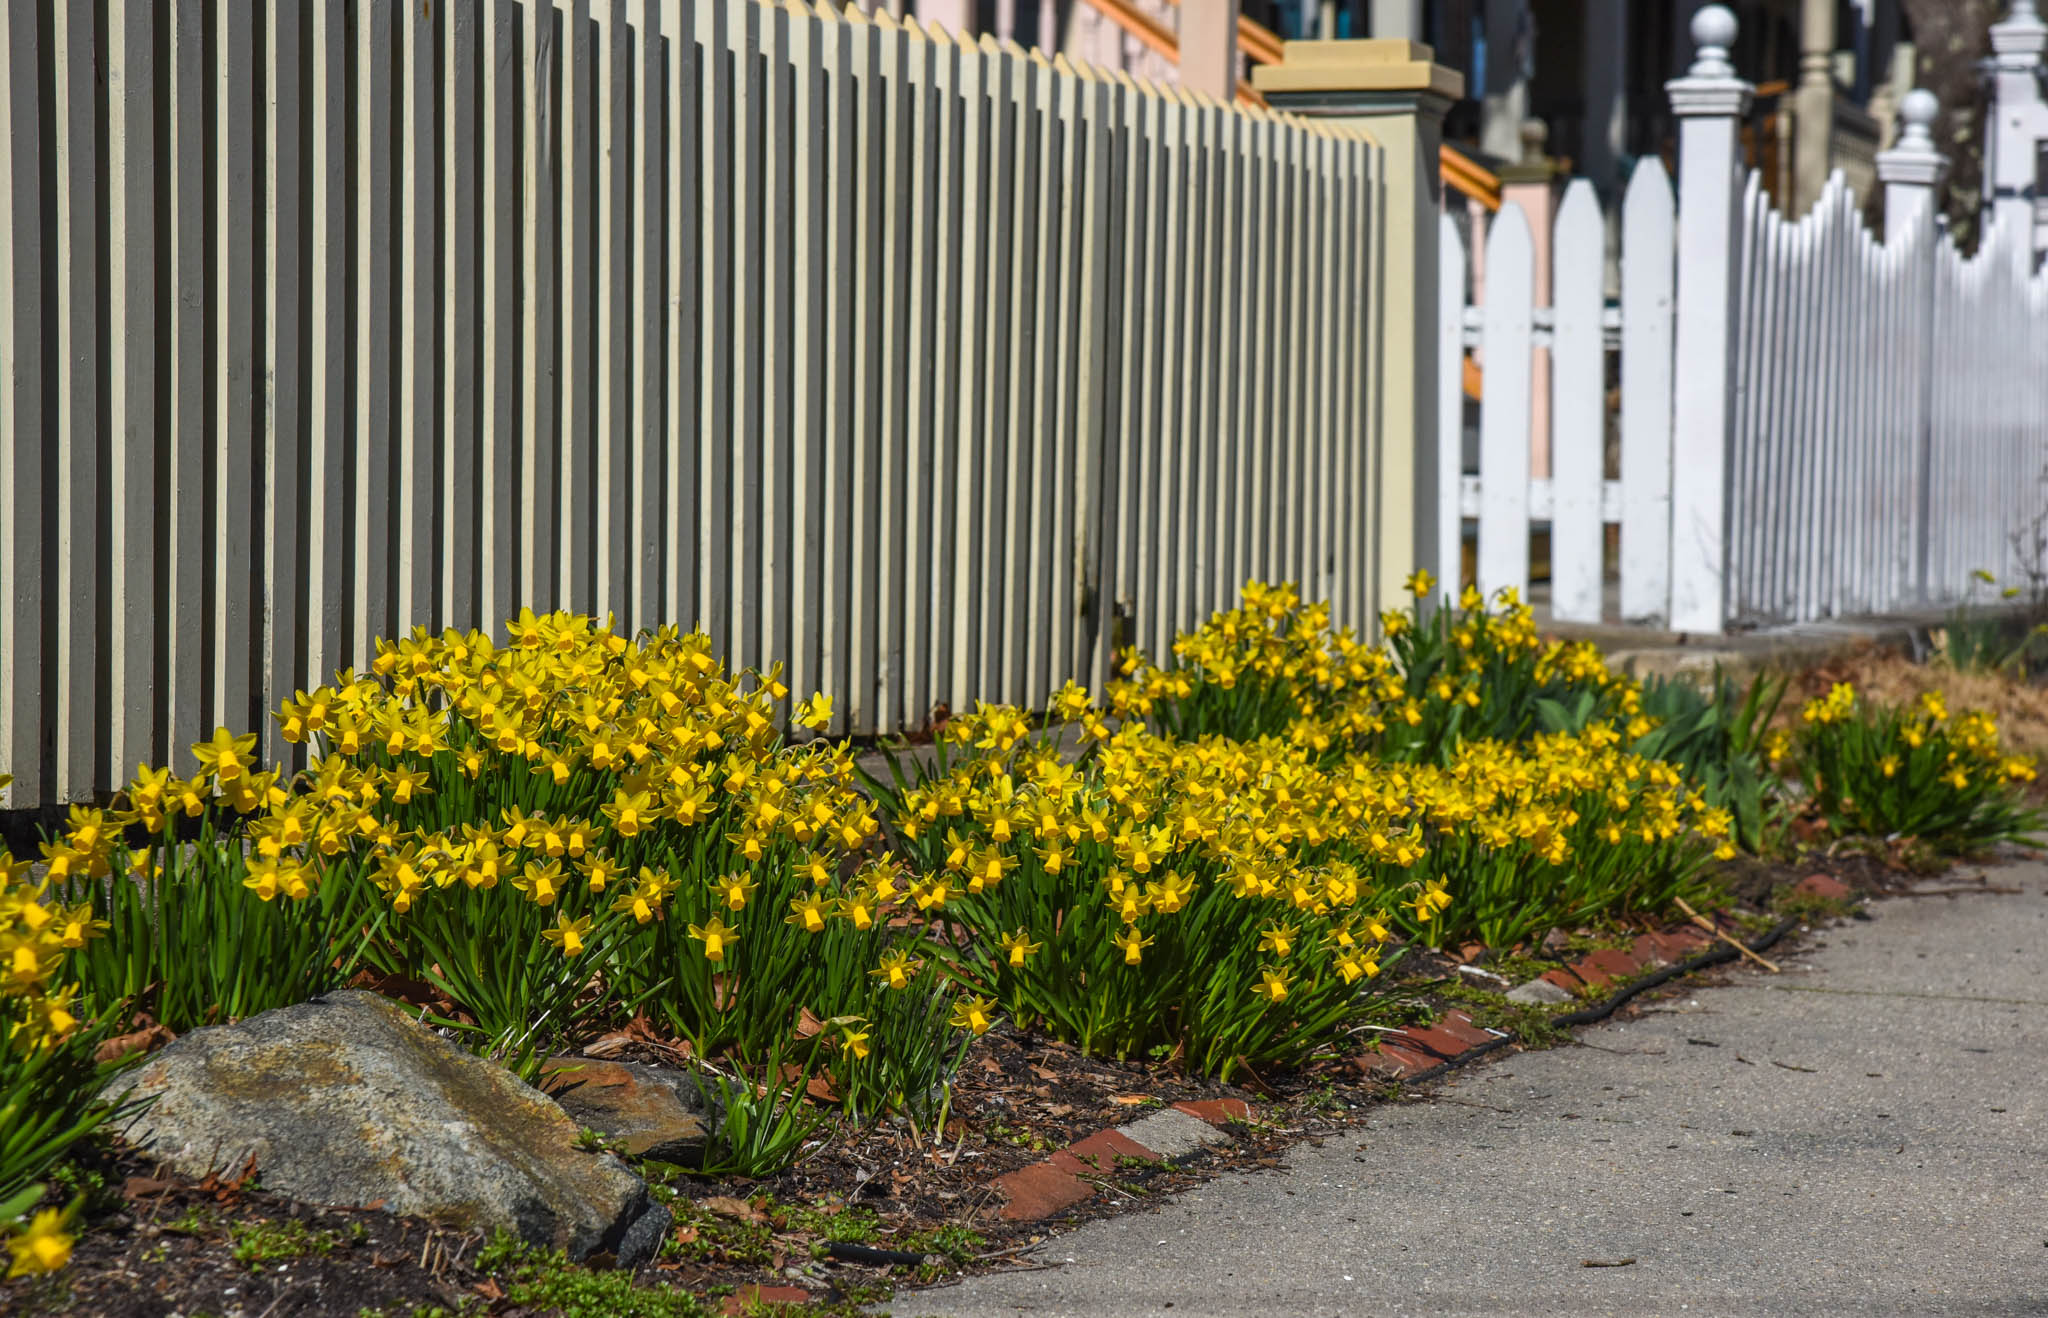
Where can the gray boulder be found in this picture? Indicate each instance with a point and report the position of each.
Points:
(346, 1101)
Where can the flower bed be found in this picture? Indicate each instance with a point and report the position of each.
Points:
(574, 832)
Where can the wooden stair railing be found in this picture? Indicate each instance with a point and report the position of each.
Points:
(1154, 36)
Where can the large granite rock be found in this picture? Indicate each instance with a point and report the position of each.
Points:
(344, 1100)
(649, 1111)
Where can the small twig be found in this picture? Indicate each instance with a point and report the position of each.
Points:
(1714, 929)
(1606, 1263)
(1787, 1066)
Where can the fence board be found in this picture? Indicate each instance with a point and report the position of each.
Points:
(1449, 567)
(80, 427)
(1578, 425)
(1648, 245)
(26, 677)
(283, 511)
(1503, 425)
(459, 313)
(330, 306)
(417, 474)
(133, 695)
(612, 496)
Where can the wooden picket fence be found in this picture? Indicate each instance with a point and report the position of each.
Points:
(933, 369)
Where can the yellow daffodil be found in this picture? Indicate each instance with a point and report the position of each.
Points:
(815, 713)
(567, 935)
(897, 969)
(226, 757)
(807, 911)
(1272, 985)
(1017, 947)
(716, 937)
(734, 890)
(44, 1246)
(972, 1013)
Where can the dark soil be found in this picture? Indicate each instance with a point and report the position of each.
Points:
(162, 1247)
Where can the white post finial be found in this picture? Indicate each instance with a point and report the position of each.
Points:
(1710, 86)
(1914, 167)
(2018, 39)
(1916, 113)
(1713, 31)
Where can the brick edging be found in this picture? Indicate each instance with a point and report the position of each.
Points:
(1057, 1183)
(1061, 1181)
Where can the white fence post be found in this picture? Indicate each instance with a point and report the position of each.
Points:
(1912, 169)
(1399, 95)
(2018, 123)
(1709, 102)
(1910, 173)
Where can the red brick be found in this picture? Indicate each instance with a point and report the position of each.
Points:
(1393, 1061)
(1434, 1042)
(1828, 889)
(1218, 1111)
(1459, 1026)
(1649, 950)
(1098, 1153)
(1689, 936)
(1606, 965)
(1566, 978)
(1040, 1190)
(737, 1302)
(1670, 946)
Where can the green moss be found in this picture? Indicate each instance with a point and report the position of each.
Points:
(546, 1280)
(717, 1239)
(855, 1226)
(258, 1243)
(1533, 1025)
(955, 1242)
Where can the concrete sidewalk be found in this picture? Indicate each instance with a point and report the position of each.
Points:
(1865, 1134)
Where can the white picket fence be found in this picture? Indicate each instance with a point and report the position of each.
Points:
(1577, 499)
(933, 369)
(1879, 463)
(1868, 418)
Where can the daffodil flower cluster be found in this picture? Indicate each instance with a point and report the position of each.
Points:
(554, 831)
(1919, 771)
